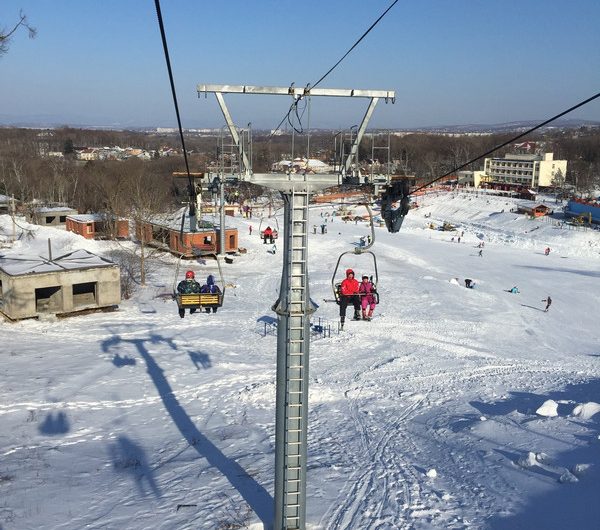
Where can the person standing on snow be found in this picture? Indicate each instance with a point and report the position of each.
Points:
(349, 295)
(548, 301)
(368, 299)
(250, 230)
(547, 251)
(212, 288)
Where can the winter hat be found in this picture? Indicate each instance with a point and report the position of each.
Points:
(189, 275)
(349, 272)
(210, 280)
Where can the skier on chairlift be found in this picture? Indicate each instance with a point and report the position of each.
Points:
(268, 235)
(188, 286)
(210, 287)
(368, 298)
(349, 295)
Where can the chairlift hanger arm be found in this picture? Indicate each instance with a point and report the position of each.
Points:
(394, 192)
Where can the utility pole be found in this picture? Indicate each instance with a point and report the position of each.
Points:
(294, 306)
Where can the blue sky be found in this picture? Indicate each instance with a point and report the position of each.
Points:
(449, 61)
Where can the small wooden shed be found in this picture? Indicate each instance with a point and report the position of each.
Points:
(98, 226)
(32, 285)
(536, 211)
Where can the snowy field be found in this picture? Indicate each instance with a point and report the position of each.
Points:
(454, 408)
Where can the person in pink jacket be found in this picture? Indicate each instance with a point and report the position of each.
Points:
(368, 300)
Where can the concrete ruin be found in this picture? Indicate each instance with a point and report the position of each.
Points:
(32, 286)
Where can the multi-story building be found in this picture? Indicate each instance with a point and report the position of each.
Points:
(521, 171)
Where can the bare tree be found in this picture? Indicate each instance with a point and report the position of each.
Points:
(6, 34)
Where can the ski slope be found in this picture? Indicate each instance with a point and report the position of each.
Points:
(454, 408)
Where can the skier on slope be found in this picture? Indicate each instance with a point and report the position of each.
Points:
(548, 301)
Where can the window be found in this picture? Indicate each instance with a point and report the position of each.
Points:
(62, 219)
(50, 219)
(84, 294)
(48, 299)
(89, 228)
(207, 240)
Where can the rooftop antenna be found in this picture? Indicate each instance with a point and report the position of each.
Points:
(294, 306)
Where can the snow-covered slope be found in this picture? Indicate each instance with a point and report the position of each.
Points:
(453, 408)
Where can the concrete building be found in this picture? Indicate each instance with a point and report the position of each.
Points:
(31, 285)
(522, 170)
(98, 226)
(55, 217)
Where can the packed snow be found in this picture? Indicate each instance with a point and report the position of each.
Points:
(453, 408)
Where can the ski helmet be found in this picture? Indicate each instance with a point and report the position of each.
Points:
(189, 275)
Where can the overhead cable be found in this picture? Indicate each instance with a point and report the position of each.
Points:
(295, 103)
(504, 144)
(192, 188)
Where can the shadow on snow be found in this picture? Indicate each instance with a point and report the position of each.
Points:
(566, 505)
(253, 493)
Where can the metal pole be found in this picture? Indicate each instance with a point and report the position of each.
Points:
(293, 340)
(222, 216)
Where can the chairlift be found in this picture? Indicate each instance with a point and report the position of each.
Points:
(264, 222)
(359, 251)
(198, 300)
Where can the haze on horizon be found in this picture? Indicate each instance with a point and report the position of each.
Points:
(450, 62)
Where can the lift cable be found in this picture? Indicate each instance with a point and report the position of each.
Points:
(490, 151)
(295, 103)
(191, 187)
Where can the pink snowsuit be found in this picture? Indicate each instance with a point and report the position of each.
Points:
(367, 298)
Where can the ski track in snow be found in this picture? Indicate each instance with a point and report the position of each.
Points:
(389, 399)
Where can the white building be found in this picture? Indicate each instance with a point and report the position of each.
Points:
(522, 170)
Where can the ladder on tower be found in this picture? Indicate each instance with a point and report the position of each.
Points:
(296, 402)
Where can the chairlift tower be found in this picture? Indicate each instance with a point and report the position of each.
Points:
(294, 306)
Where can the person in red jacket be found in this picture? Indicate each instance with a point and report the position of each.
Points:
(268, 235)
(349, 295)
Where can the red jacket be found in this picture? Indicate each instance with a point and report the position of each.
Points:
(349, 286)
(268, 231)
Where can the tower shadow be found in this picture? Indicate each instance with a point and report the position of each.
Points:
(253, 493)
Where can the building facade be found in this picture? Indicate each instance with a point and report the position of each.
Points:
(31, 286)
(522, 170)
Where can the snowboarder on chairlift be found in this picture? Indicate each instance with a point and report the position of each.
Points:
(368, 299)
(349, 295)
(210, 287)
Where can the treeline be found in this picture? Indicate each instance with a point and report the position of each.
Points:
(28, 173)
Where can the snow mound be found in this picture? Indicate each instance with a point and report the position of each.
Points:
(549, 409)
(586, 410)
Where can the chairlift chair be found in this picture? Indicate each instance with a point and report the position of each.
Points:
(261, 230)
(359, 251)
(198, 300)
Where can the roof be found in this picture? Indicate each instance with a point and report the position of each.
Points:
(173, 220)
(19, 264)
(49, 209)
(95, 217)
